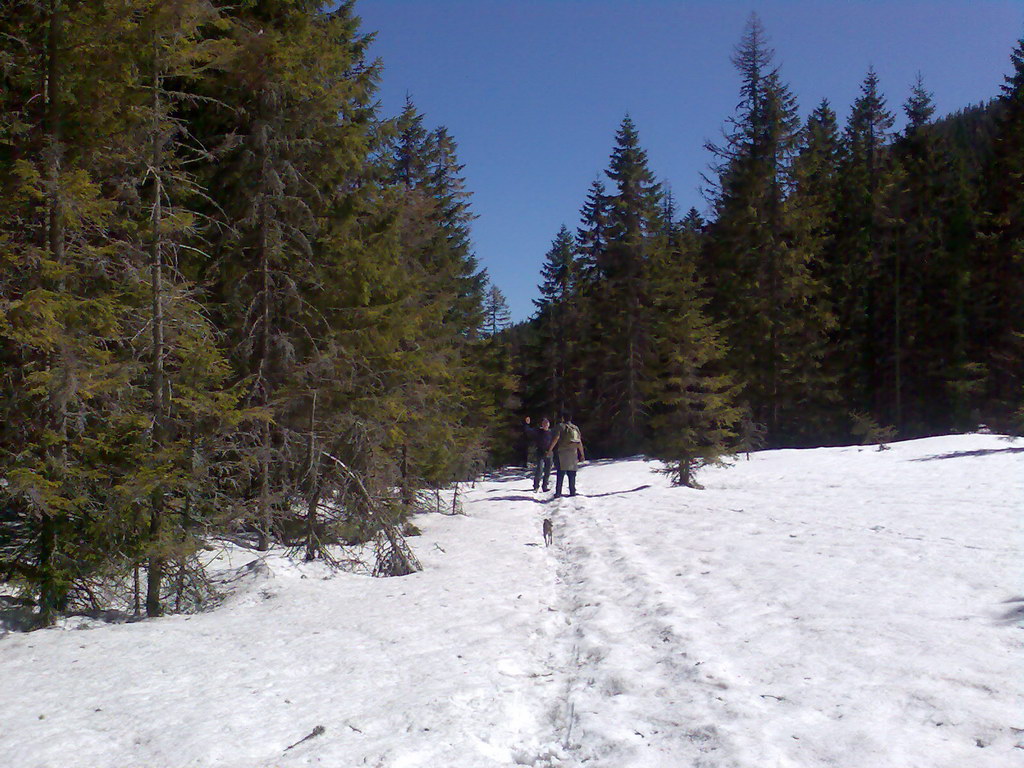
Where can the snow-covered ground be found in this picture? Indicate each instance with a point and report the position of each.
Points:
(831, 607)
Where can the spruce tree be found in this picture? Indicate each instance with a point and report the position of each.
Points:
(764, 281)
(556, 354)
(217, 296)
(496, 313)
(468, 381)
(997, 327)
(592, 234)
(689, 395)
(618, 314)
(810, 214)
(863, 269)
(929, 343)
(591, 245)
(290, 111)
(63, 312)
(190, 407)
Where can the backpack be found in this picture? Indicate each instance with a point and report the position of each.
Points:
(571, 433)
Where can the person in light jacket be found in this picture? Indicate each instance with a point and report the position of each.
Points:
(568, 450)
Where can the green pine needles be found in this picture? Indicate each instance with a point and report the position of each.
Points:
(234, 299)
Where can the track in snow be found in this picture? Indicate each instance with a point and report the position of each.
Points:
(635, 692)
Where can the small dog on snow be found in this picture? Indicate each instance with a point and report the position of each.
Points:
(548, 531)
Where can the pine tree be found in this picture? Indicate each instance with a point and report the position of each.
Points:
(929, 344)
(555, 356)
(693, 223)
(810, 215)
(620, 297)
(816, 169)
(592, 234)
(62, 312)
(410, 155)
(689, 395)
(496, 313)
(764, 280)
(290, 112)
(997, 327)
(469, 383)
(202, 219)
(449, 189)
(492, 383)
(591, 246)
(863, 269)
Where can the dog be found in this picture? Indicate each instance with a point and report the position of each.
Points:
(548, 531)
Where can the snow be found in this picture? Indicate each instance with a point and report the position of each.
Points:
(829, 607)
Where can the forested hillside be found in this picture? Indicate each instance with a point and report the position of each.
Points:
(849, 281)
(233, 296)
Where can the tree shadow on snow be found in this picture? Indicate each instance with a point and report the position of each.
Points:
(616, 493)
(507, 473)
(518, 498)
(1015, 614)
(962, 454)
(16, 614)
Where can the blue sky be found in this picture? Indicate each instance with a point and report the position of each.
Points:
(533, 90)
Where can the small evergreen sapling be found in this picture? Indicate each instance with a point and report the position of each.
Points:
(870, 432)
(751, 436)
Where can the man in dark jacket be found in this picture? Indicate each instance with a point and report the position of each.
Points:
(540, 438)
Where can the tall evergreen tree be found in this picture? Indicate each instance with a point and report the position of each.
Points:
(620, 298)
(764, 282)
(591, 245)
(863, 268)
(689, 395)
(997, 329)
(469, 381)
(496, 313)
(189, 408)
(302, 257)
(928, 301)
(556, 354)
(592, 234)
(810, 214)
(67, 312)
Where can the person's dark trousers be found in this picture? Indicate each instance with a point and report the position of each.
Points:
(542, 472)
(559, 476)
(531, 459)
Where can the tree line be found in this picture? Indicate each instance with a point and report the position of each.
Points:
(237, 300)
(848, 279)
(234, 298)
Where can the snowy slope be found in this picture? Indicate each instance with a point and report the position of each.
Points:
(830, 607)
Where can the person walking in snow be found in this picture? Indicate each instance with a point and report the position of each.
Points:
(568, 450)
(541, 438)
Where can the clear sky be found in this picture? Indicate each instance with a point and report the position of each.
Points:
(533, 90)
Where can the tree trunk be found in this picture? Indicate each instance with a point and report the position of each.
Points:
(898, 346)
(54, 140)
(155, 566)
(155, 570)
(52, 590)
(264, 512)
(313, 486)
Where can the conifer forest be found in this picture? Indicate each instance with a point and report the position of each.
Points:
(238, 300)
